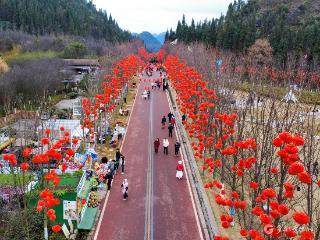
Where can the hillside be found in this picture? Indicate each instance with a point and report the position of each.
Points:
(150, 42)
(298, 11)
(71, 17)
(160, 37)
(291, 26)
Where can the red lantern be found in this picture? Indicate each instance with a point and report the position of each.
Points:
(56, 228)
(24, 166)
(301, 218)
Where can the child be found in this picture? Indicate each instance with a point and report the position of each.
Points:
(124, 188)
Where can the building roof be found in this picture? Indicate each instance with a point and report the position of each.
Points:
(82, 62)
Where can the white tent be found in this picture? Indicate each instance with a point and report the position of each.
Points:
(290, 97)
(174, 42)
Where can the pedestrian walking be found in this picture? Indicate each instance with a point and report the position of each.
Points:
(170, 129)
(124, 189)
(163, 121)
(122, 162)
(184, 117)
(165, 145)
(145, 94)
(156, 145)
(170, 116)
(179, 168)
(173, 120)
(109, 179)
(148, 92)
(176, 148)
(118, 155)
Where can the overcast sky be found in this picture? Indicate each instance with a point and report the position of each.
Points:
(158, 16)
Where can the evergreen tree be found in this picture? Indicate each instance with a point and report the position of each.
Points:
(76, 17)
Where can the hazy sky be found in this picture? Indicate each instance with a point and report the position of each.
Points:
(158, 16)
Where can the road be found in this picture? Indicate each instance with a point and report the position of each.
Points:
(159, 207)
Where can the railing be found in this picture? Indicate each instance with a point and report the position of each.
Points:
(208, 223)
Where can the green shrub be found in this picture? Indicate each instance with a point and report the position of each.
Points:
(75, 50)
(72, 95)
(62, 113)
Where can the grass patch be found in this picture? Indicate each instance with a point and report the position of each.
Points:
(17, 55)
(26, 56)
(7, 180)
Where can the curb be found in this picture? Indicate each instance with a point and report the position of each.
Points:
(204, 210)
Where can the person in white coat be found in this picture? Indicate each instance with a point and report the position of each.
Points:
(165, 145)
(145, 94)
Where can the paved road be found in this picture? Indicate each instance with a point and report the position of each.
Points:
(159, 206)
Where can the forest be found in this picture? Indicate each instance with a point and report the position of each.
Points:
(289, 30)
(74, 17)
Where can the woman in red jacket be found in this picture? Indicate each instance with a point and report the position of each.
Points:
(156, 144)
(179, 169)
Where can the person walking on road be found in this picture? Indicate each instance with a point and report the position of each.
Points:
(173, 120)
(163, 121)
(156, 145)
(145, 94)
(179, 168)
(124, 189)
(170, 116)
(109, 179)
(170, 129)
(184, 117)
(165, 145)
(176, 148)
(118, 155)
(122, 162)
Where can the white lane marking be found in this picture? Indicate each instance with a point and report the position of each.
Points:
(107, 197)
(102, 214)
(188, 182)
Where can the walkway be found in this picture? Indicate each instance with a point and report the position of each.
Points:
(159, 206)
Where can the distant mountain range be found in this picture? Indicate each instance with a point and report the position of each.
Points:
(160, 37)
(152, 44)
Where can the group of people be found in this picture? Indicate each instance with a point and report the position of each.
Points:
(146, 94)
(171, 121)
(107, 169)
(166, 143)
(120, 159)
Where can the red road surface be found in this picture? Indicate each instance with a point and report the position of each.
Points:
(159, 206)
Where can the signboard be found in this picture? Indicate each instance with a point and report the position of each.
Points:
(219, 62)
(80, 158)
(76, 109)
(70, 210)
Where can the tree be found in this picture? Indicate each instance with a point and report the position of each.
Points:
(260, 53)
(75, 50)
(3, 66)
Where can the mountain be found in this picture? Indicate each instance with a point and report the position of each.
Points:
(160, 37)
(71, 17)
(150, 42)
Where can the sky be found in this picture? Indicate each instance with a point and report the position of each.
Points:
(158, 16)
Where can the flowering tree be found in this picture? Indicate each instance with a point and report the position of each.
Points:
(255, 186)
